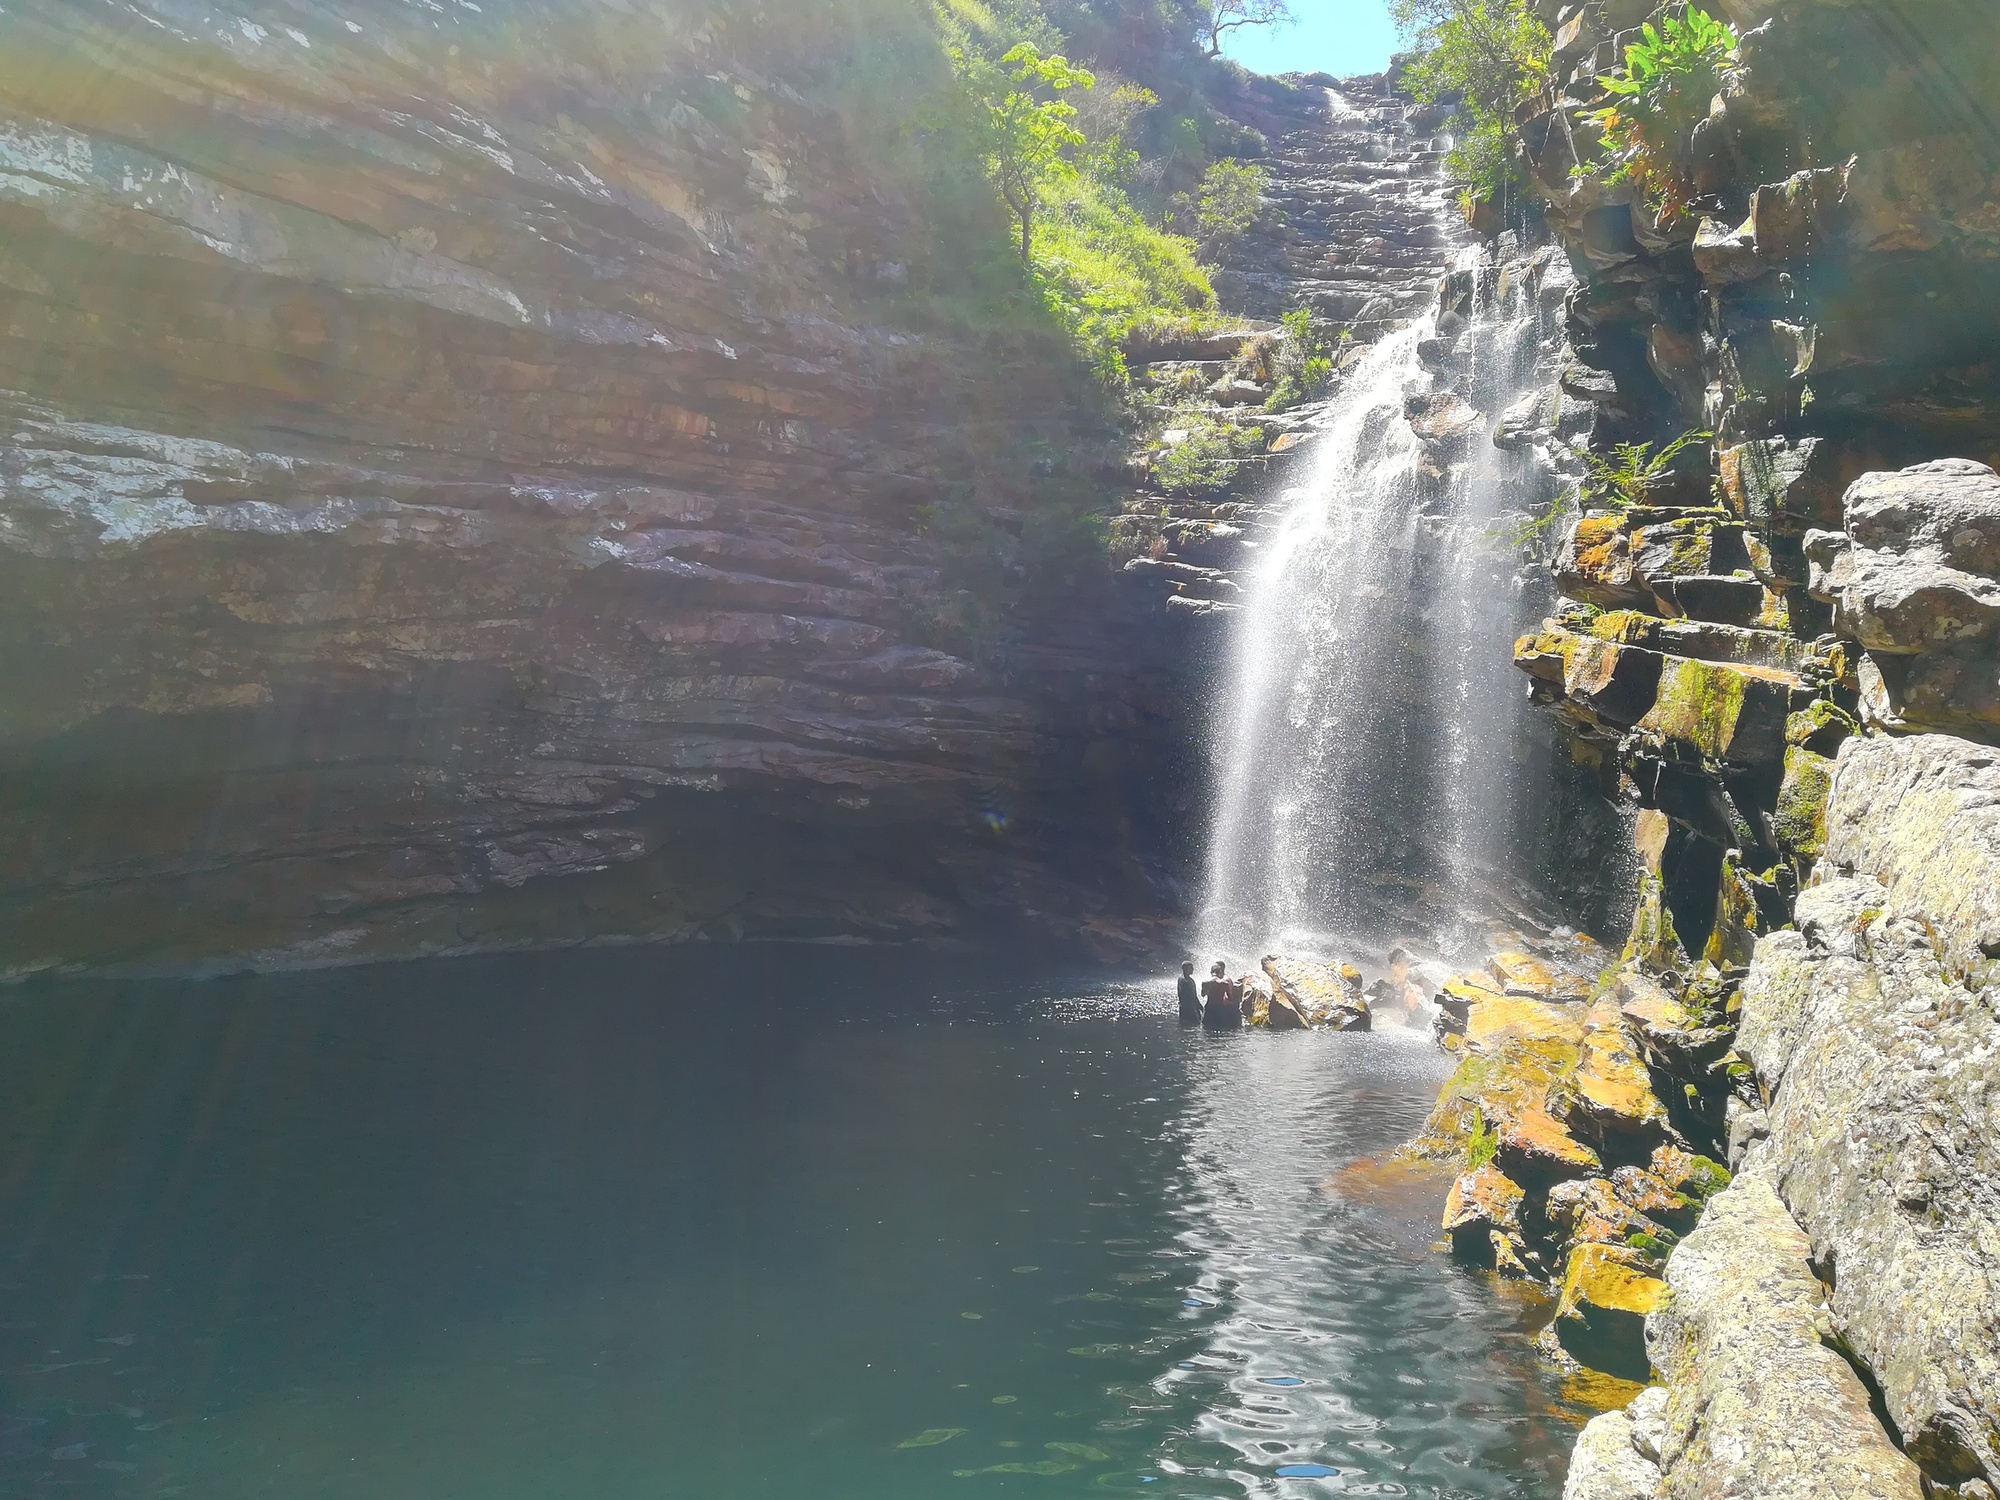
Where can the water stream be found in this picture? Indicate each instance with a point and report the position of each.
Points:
(728, 1226)
(1367, 774)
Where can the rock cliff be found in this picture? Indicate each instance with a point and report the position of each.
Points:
(1784, 646)
(470, 478)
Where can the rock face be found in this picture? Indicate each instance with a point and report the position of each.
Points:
(1814, 572)
(1758, 1404)
(1876, 1038)
(466, 484)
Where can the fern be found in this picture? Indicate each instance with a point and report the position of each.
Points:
(1619, 481)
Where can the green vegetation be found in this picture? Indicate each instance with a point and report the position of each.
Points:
(1481, 1145)
(1705, 1179)
(1618, 480)
(1302, 365)
(1201, 462)
(1494, 54)
(1223, 205)
(1025, 139)
(1670, 75)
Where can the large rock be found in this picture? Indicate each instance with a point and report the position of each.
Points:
(1919, 566)
(1317, 993)
(1922, 815)
(1759, 1406)
(1882, 1070)
(1606, 1463)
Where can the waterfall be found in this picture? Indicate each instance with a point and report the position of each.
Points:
(1365, 751)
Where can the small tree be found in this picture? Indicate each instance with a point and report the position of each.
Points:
(1025, 126)
(1495, 54)
(1217, 18)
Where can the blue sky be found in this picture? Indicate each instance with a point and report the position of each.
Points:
(1341, 37)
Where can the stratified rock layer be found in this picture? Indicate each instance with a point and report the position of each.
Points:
(464, 486)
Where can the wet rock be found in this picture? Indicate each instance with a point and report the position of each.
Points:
(1521, 974)
(1521, 1056)
(1481, 1201)
(1613, 1087)
(1320, 994)
(1606, 1293)
(1759, 1405)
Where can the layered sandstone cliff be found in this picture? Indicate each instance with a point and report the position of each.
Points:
(473, 477)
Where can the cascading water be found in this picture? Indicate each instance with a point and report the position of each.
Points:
(1366, 758)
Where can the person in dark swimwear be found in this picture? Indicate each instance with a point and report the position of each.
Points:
(1190, 997)
(1221, 1002)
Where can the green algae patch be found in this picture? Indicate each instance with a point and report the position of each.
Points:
(1799, 822)
(1721, 711)
(930, 1437)
(1083, 1451)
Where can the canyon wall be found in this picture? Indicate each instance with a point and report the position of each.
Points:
(477, 477)
(1784, 649)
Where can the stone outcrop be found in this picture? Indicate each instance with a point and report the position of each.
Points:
(1758, 1403)
(471, 484)
(1808, 974)
(1876, 1039)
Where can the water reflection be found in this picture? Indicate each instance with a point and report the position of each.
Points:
(541, 1228)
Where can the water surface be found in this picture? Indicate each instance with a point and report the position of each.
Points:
(727, 1227)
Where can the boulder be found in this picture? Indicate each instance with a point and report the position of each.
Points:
(1881, 1064)
(1922, 815)
(1759, 1406)
(1919, 566)
(1320, 994)
(1613, 1087)
(1606, 1463)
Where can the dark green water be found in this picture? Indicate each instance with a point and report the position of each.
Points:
(737, 1227)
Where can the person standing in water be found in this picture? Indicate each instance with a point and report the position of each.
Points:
(1221, 1002)
(1190, 997)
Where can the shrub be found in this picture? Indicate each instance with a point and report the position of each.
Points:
(1224, 204)
(1302, 367)
(1204, 461)
(1670, 75)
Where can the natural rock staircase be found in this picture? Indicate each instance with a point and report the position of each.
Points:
(1358, 227)
(1358, 230)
